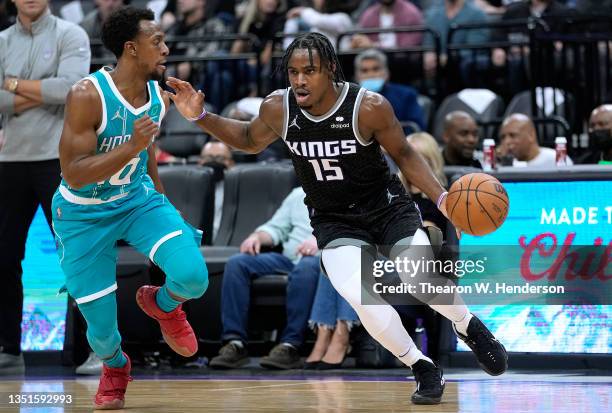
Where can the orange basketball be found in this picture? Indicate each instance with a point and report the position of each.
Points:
(477, 203)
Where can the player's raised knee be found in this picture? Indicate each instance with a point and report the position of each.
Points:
(195, 279)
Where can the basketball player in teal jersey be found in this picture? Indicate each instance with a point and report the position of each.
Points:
(111, 190)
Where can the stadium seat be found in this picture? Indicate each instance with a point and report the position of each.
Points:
(192, 191)
(180, 137)
(252, 193)
(135, 326)
(427, 106)
(550, 103)
(482, 104)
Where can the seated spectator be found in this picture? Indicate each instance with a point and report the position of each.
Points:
(168, 15)
(600, 136)
(218, 156)
(92, 24)
(440, 18)
(327, 17)
(426, 145)
(372, 72)
(386, 14)
(550, 11)
(263, 18)
(522, 142)
(210, 77)
(332, 319)
(290, 226)
(460, 136)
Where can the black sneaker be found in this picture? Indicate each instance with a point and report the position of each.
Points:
(490, 353)
(430, 383)
(283, 357)
(231, 356)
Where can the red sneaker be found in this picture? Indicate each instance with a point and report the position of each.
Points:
(111, 390)
(174, 325)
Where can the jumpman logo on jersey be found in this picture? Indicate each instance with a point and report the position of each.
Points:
(118, 115)
(294, 123)
(390, 196)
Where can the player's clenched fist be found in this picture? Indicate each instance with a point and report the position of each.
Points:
(144, 132)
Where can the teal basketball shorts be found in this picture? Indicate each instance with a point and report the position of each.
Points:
(87, 230)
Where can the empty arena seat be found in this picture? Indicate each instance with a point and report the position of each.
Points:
(482, 104)
(191, 190)
(551, 103)
(135, 326)
(427, 106)
(252, 193)
(179, 136)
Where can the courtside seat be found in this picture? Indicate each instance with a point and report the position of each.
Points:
(191, 190)
(252, 193)
(482, 104)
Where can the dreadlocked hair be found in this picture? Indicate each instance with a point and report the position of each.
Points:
(320, 43)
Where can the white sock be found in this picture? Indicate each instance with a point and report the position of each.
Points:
(289, 345)
(412, 356)
(237, 343)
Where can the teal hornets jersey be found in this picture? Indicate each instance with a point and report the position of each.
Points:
(115, 129)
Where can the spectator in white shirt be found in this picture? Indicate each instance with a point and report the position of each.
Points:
(329, 18)
(519, 134)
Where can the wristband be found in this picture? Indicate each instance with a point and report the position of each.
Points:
(202, 115)
(441, 198)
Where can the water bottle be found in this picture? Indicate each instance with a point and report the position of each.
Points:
(421, 336)
(561, 150)
(488, 155)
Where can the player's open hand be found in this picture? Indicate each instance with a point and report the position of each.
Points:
(143, 133)
(251, 245)
(445, 213)
(188, 102)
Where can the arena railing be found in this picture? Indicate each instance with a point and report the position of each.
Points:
(222, 75)
(571, 53)
(405, 63)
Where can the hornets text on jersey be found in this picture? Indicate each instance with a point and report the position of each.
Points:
(115, 129)
(335, 165)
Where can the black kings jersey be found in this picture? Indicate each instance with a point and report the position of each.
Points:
(335, 165)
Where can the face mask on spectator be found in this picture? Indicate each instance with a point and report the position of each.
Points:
(218, 169)
(601, 139)
(374, 84)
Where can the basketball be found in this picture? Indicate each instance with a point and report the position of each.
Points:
(477, 203)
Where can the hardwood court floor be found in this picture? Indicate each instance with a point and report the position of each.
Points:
(464, 393)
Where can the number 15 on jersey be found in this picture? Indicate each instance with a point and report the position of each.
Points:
(325, 170)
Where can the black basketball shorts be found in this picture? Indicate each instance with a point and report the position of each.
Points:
(382, 220)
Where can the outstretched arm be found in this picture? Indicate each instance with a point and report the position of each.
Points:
(250, 137)
(377, 120)
(78, 159)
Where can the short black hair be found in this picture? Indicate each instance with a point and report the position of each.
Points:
(320, 43)
(122, 26)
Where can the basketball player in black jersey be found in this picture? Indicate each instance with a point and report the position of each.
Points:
(334, 131)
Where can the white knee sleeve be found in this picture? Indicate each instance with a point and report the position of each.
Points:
(343, 266)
